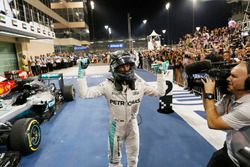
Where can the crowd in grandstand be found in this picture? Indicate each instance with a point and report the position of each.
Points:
(220, 44)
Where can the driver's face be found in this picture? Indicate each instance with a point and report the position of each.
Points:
(124, 68)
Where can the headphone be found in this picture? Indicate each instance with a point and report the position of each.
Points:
(247, 82)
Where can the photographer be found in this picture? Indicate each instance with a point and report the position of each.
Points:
(230, 113)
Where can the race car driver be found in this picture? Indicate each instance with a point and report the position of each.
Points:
(124, 92)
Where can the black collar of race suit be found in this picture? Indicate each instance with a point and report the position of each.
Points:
(119, 83)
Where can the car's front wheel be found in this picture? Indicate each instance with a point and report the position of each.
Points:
(25, 136)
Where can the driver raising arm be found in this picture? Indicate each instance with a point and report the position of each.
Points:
(123, 93)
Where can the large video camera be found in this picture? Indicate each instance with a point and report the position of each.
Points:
(219, 71)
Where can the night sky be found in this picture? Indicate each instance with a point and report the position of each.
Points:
(210, 13)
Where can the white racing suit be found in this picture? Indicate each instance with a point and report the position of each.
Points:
(124, 107)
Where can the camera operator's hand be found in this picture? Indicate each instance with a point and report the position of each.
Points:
(82, 65)
(209, 85)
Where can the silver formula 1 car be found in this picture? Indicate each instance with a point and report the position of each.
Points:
(30, 103)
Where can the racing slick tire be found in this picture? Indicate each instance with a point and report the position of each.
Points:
(25, 136)
(69, 93)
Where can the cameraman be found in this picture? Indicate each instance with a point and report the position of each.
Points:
(230, 113)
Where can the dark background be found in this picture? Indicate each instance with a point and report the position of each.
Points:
(210, 13)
